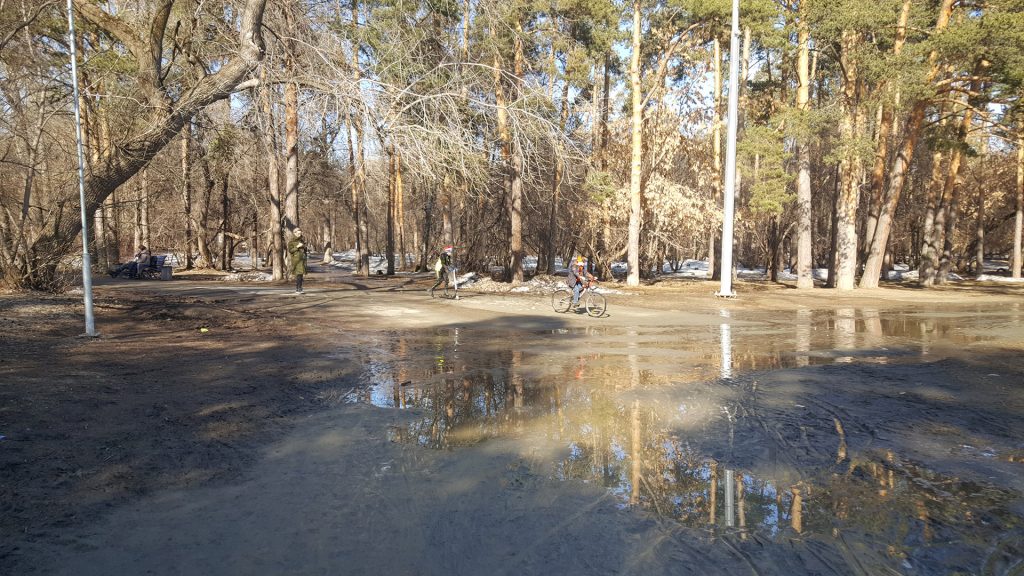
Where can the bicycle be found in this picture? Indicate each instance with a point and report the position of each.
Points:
(451, 285)
(595, 304)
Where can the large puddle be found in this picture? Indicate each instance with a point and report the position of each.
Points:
(677, 421)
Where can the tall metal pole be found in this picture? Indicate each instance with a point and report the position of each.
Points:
(90, 325)
(729, 207)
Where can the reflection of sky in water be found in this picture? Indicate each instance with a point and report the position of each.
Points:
(654, 420)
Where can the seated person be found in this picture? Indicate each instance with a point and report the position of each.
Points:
(137, 265)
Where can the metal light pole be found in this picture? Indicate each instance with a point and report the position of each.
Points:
(730, 155)
(90, 325)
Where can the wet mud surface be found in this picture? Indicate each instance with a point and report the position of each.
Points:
(370, 429)
(869, 440)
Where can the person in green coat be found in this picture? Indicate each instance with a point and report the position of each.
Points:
(297, 250)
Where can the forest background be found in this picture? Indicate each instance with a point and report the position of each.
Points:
(869, 133)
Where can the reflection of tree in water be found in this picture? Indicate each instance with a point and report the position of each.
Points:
(467, 400)
(889, 508)
(895, 509)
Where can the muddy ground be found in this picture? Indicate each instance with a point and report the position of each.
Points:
(364, 428)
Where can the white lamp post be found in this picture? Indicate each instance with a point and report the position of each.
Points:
(90, 325)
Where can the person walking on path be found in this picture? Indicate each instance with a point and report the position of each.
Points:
(298, 251)
(443, 269)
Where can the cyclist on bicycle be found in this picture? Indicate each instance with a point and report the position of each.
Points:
(578, 278)
(443, 268)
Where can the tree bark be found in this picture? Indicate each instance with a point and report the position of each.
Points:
(291, 147)
(805, 255)
(556, 186)
(291, 128)
(886, 127)
(603, 264)
(979, 237)
(714, 268)
(900, 166)
(951, 187)
(203, 228)
(516, 191)
(849, 191)
(389, 228)
(636, 148)
(400, 210)
(1018, 221)
(275, 246)
(143, 210)
(934, 219)
(186, 192)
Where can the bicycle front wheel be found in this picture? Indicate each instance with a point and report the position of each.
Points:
(561, 300)
(596, 304)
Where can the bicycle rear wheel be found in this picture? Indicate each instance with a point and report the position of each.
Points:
(596, 304)
(561, 300)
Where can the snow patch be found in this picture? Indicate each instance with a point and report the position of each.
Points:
(252, 276)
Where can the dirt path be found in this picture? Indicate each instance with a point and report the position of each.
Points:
(363, 428)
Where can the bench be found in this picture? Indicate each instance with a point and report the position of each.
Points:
(156, 270)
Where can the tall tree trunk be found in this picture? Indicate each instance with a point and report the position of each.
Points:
(225, 218)
(804, 249)
(834, 231)
(276, 245)
(111, 241)
(137, 220)
(97, 237)
(901, 164)
(849, 191)
(636, 147)
(714, 268)
(203, 228)
(509, 167)
(516, 190)
(186, 192)
(883, 123)
(934, 219)
(951, 221)
(447, 234)
(886, 127)
(603, 261)
(428, 228)
(291, 125)
(400, 209)
(1018, 221)
(774, 249)
(951, 187)
(144, 204)
(359, 175)
(356, 196)
(979, 237)
(556, 186)
(291, 147)
(389, 237)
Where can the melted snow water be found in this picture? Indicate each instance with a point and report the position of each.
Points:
(691, 425)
